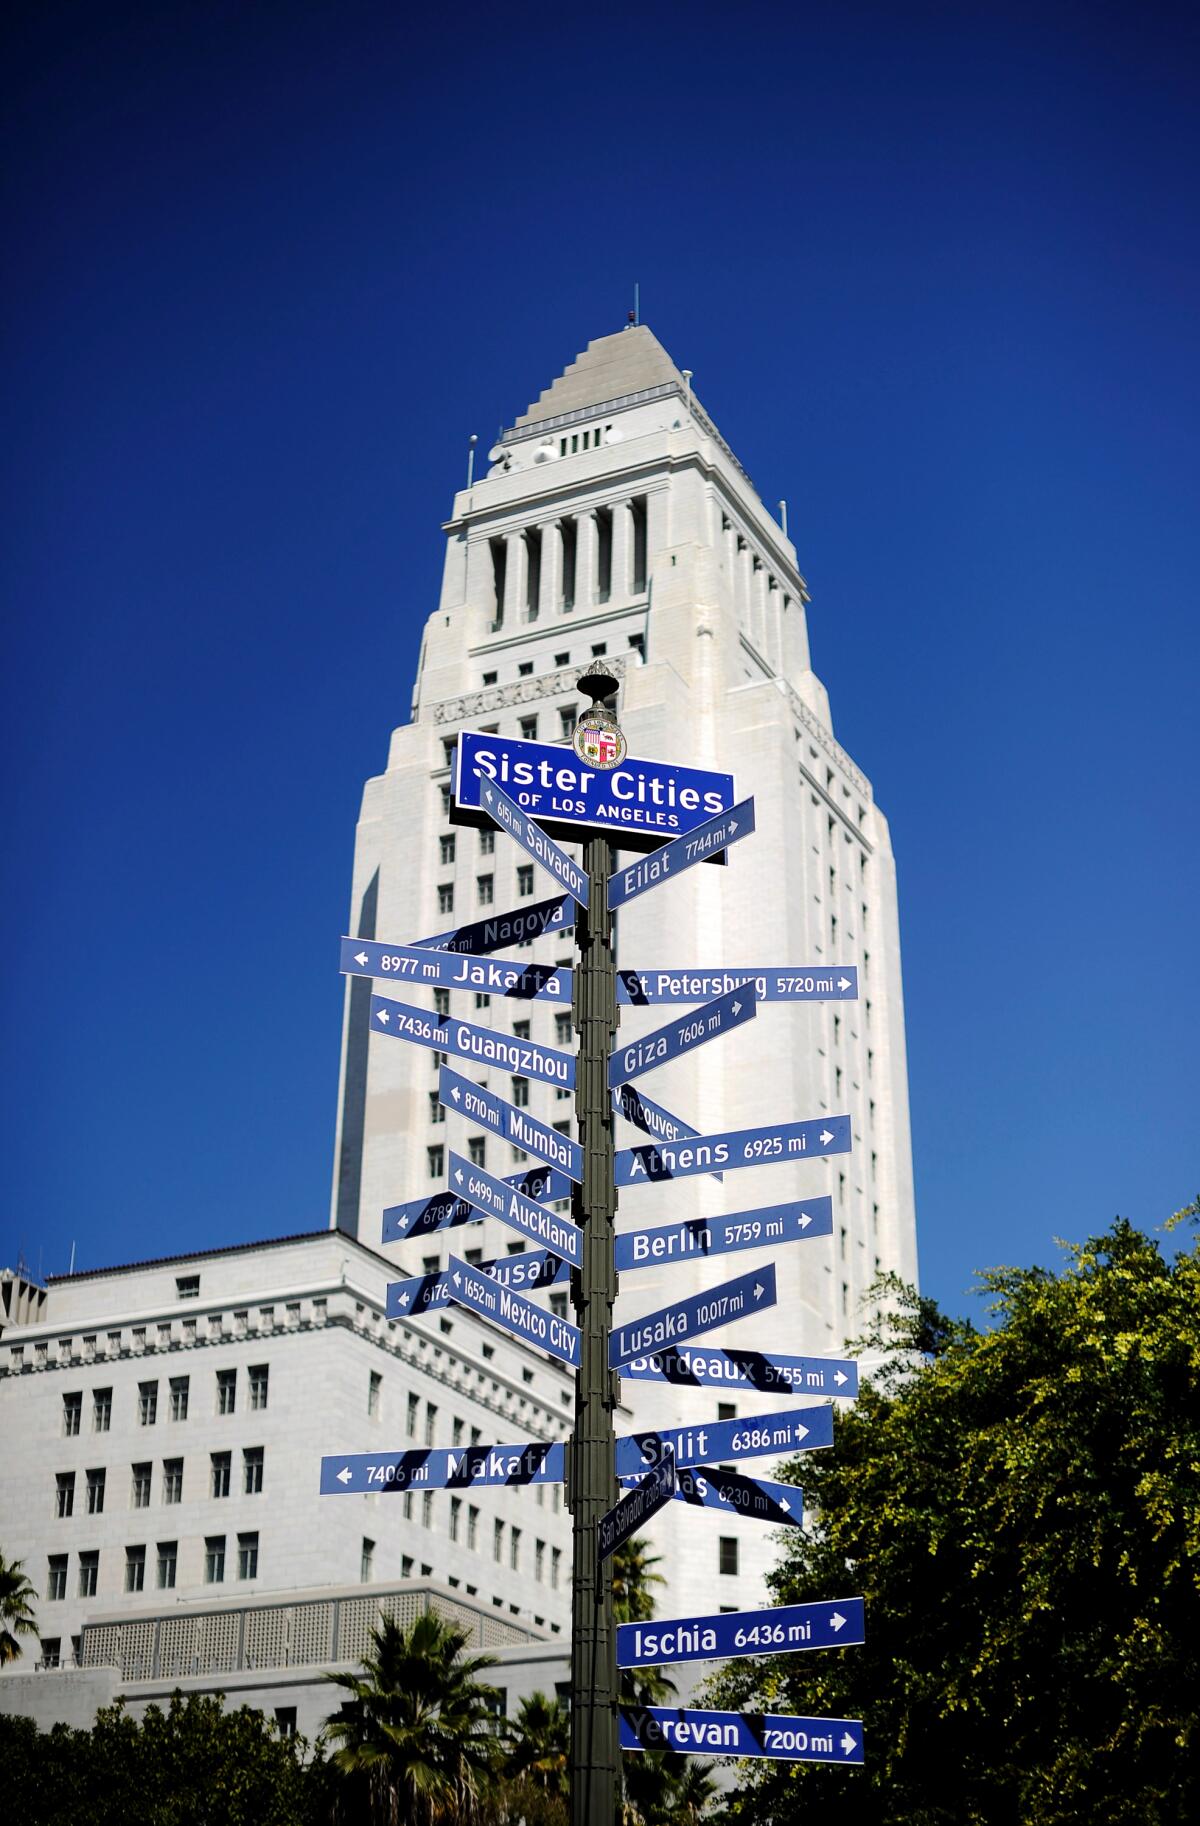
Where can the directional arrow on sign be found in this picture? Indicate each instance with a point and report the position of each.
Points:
(482, 1044)
(522, 829)
(443, 1468)
(770, 982)
(702, 1366)
(701, 1312)
(681, 1035)
(770, 1146)
(515, 1125)
(780, 1629)
(697, 845)
(708, 1442)
(703, 1236)
(444, 969)
(755, 1499)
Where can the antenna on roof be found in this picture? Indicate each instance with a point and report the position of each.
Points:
(471, 443)
(783, 517)
(687, 382)
(637, 302)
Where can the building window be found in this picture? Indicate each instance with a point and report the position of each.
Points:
(427, 1509)
(101, 1410)
(56, 1582)
(259, 1381)
(437, 1112)
(520, 1092)
(221, 1462)
(441, 1003)
(72, 1413)
(555, 1567)
(95, 1492)
(436, 1160)
(566, 721)
(562, 1029)
(539, 1561)
(558, 1305)
(727, 1551)
(525, 668)
(248, 1556)
(64, 1494)
(455, 1516)
(179, 1397)
(172, 1480)
(497, 1539)
(430, 1422)
(147, 1403)
(226, 1391)
(89, 1573)
(483, 1001)
(406, 1565)
(445, 895)
(168, 1558)
(414, 1404)
(445, 792)
(528, 726)
(252, 1470)
(485, 889)
(187, 1287)
(520, 1030)
(140, 1498)
(489, 678)
(525, 880)
(374, 1390)
(51, 1648)
(477, 1150)
(214, 1559)
(366, 1564)
(446, 849)
(487, 843)
(472, 1528)
(135, 1569)
(514, 1548)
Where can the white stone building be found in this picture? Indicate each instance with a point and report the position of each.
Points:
(616, 522)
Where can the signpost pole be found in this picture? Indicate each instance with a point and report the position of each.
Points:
(591, 1482)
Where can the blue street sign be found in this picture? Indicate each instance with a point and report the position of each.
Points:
(443, 1211)
(778, 1735)
(702, 1368)
(516, 1125)
(491, 1299)
(508, 815)
(558, 914)
(496, 1199)
(533, 1268)
(639, 802)
(680, 1036)
(483, 1045)
(442, 1468)
(771, 983)
(451, 970)
(708, 1442)
(634, 1511)
(782, 1629)
(685, 852)
(651, 1118)
(755, 1499)
(740, 1299)
(761, 1229)
(778, 1142)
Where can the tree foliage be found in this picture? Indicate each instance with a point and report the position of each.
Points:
(1020, 1507)
(16, 1609)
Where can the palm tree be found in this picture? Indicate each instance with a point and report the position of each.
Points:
(538, 1748)
(16, 1612)
(666, 1789)
(419, 1728)
(632, 1579)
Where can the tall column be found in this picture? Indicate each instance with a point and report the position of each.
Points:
(743, 589)
(585, 560)
(515, 574)
(550, 592)
(758, 605)
(774, 652)
(622, 552)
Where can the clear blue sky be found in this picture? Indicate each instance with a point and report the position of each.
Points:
(935, 269)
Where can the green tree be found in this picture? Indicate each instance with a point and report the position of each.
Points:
(417, 1736)
(16, 1611)
(535, 1767)
(1021, 1509)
